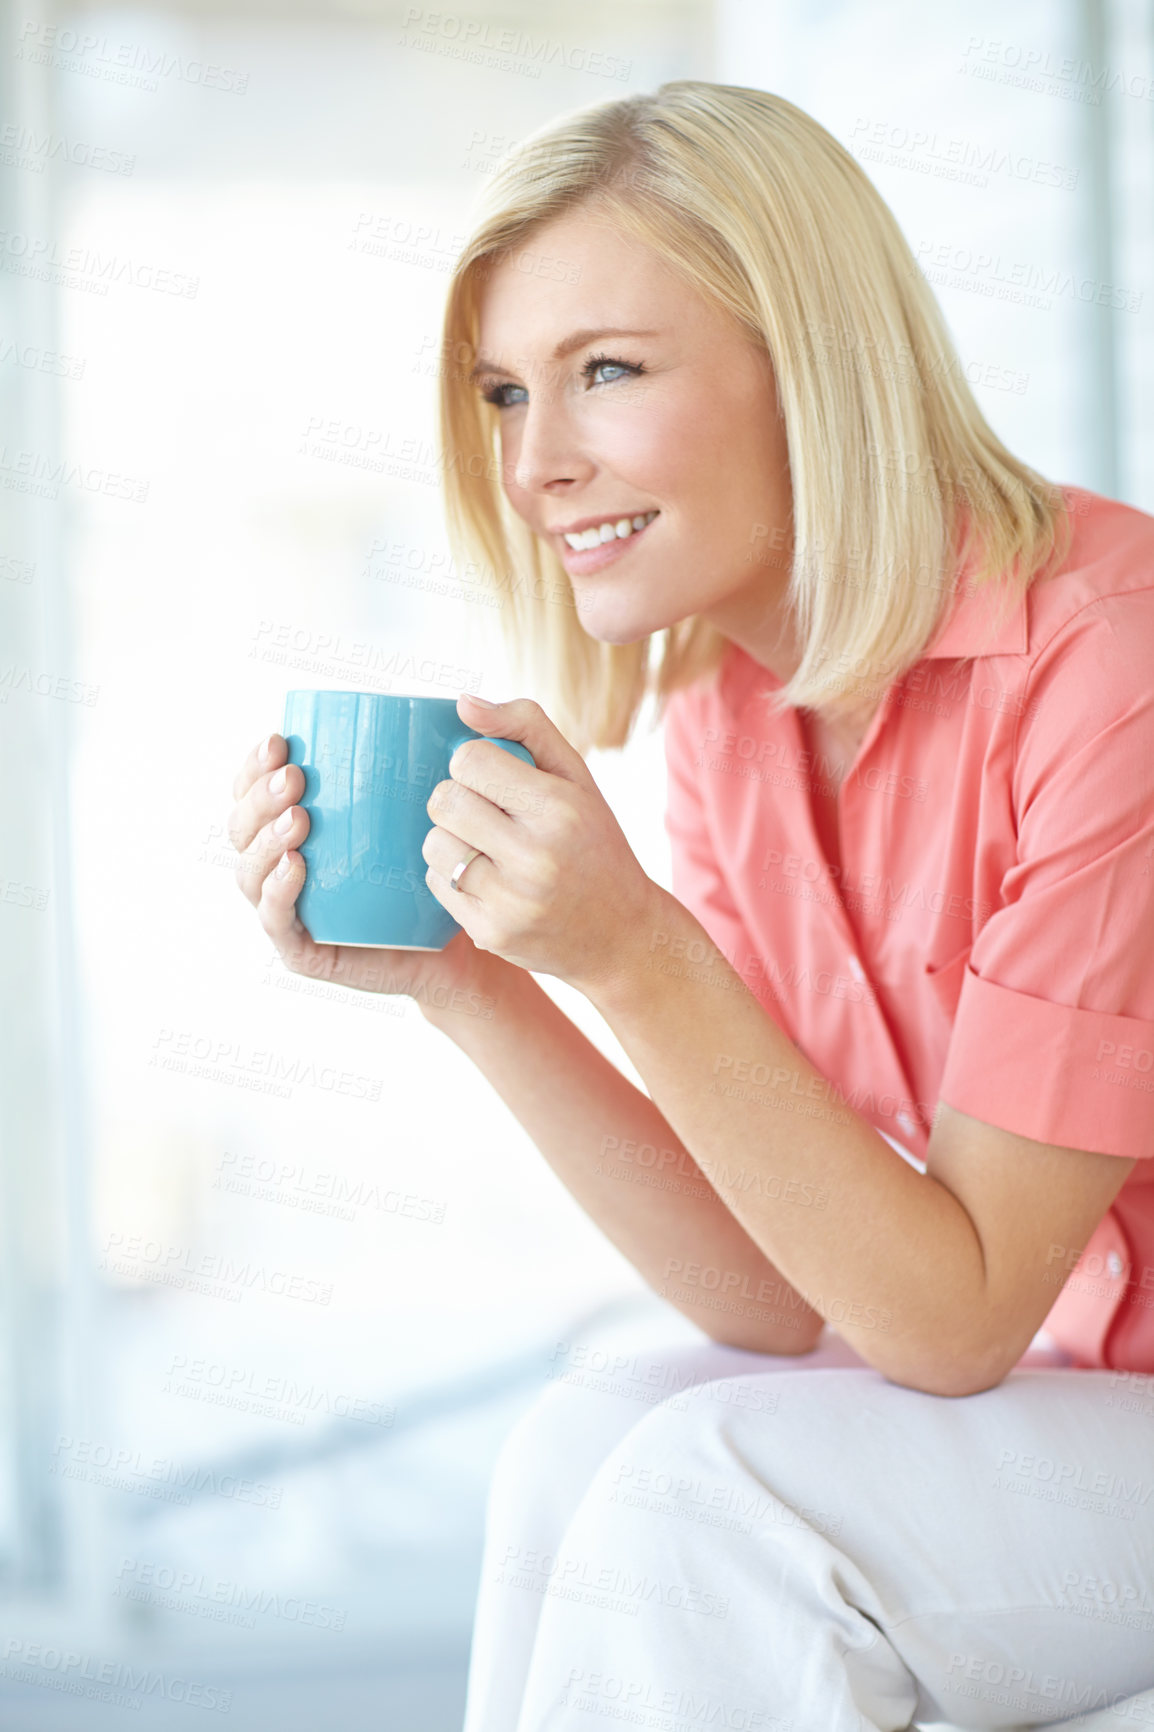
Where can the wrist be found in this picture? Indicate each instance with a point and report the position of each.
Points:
(659, 928)
(474, 992)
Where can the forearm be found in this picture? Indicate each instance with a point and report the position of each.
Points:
(893, 1260)
(612, 1148)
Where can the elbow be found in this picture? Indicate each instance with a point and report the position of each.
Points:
(959, 1386)
(956, 1375)
(781, 1342)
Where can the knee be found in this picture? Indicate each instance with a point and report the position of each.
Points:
(552, 1451)
(555, 1448)
(656, 1452)
(697, 1432)
(571, 1431)
(539, 1432)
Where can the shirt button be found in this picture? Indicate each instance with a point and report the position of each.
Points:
(856, 968)
(1114, 1265)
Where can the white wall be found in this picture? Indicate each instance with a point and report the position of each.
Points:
(984, 128)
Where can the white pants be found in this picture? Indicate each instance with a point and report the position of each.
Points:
(708, 1538)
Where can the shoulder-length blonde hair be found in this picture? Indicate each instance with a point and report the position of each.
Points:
(897, 479)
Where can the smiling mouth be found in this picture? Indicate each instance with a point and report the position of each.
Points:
(613, 529)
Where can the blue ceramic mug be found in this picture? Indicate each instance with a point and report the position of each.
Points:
(371, 760)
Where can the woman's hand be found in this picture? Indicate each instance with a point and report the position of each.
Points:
(266, 828)
(556, 888)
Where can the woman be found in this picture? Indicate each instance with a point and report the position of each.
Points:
(896, 1021)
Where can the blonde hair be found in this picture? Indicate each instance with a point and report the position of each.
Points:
(897, 479)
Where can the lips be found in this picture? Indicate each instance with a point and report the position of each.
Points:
(591, 531)
(581, 561)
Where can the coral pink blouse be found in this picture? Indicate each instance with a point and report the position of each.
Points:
(989, 938)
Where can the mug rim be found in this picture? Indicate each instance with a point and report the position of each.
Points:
(384, 697)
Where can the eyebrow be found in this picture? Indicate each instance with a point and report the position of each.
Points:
(565, 347)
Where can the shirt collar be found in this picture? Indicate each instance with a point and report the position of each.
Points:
(989, 620)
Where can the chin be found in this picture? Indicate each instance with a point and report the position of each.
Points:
(618, 631)
(612, 637)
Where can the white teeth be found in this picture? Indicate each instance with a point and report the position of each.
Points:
(612, 529)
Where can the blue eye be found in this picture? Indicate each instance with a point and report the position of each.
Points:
(595, 363)
(496, 393)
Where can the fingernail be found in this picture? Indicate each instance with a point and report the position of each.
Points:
(283, 866)
(277, 783)
(284, 823)
(265, 752)
(486, 703)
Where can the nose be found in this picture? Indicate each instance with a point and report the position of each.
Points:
(547, 456)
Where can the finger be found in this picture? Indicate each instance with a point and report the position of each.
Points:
(271, 841)
(266, 800)
(443, 853)
(524, 720)
(506, 784)
(276, 910)
(269, 754)
(477, 818)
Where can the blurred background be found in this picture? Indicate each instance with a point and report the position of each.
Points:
(261, 1337)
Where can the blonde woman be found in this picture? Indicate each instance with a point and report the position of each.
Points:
(703, 425)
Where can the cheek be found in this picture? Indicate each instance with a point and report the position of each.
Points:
(693, 455)
(521, 500)
(655, 450)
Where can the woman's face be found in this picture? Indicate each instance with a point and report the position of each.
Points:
(678, 417)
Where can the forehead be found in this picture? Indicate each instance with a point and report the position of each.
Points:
(578, 270)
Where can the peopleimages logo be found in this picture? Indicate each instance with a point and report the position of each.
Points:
(79, 1674)
(178, 1266)
(503, 47)
(1017, 280)
(39, 256)
(121, 1468)
(218, 1598)
(114, 62)
(215, 1060)
(297, 1186)
(273, 1397)
(23, 147)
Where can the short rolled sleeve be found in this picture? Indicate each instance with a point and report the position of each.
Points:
(1053, 1035)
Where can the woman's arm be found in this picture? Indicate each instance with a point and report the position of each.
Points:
(939, 1280)
(609, 1144)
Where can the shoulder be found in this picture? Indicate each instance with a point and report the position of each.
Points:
(1083, 725)
(1101, 600)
